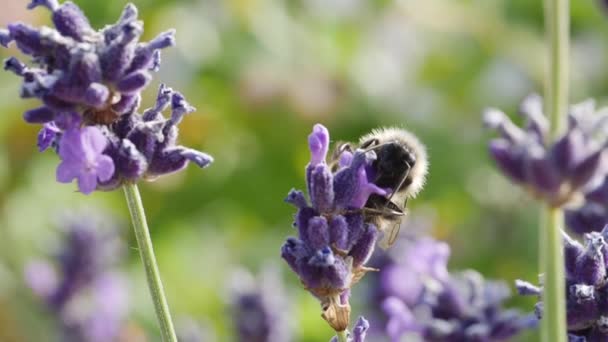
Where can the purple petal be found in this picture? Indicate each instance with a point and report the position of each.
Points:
(566, 151)
(67, 171)
(96, 95)
(105, 168)
(28, 39)
(201, 159)
(47, 136)
(360, 329)
(572, 252)
(339, 232)
(296, 198)
(587, 169)
(94, 142)
(87, 182)
(599, 194)
(134, 82)
(508, 161)
(117, 58)
(318, 142)
(5, 38)
(146, 55)
(70, 21)
(542, 173)
(364, 248)
(179, 108)
(588, 218)
(39, 115)
(50, 4)
(14, 65)
(318, 233)
(70, 146)
(532, 110)
(321, 187)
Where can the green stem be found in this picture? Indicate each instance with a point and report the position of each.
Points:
(553, 328)
(342, 336)
(142, 234)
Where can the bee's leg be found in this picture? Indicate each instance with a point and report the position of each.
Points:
(406, 173)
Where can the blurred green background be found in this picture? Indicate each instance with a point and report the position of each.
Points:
(261, 73)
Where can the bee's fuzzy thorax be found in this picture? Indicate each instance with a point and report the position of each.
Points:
(402, 136)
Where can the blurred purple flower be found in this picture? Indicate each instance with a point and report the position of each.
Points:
(334, 242)
(586, 287)
(82, 288)
(259, 307)
(421, 298)
(592, 214)
(558, 173)
(96, 77)
(359, 331)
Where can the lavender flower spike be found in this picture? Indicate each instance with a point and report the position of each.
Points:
(333, 242)
(259, 306)
(86, 277)
(96, 78)
(559, 173)
(429, 303)
(586, 287)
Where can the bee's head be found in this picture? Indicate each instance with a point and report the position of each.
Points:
(393, 162)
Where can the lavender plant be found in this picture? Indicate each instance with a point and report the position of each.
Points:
(83, 287)
(558, 174)
(90, 82)
(334, 242)
(422, 299)
(259, 307)
(586, 287)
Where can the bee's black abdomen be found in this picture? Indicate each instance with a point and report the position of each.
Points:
(392, 163)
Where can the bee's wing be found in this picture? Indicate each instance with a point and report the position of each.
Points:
(392, 225)
(391, 232)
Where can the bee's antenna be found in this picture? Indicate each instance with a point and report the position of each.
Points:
(367, 149)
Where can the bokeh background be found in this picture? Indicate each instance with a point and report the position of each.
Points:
(261, 73)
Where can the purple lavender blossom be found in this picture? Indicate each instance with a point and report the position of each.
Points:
(359, 331)
(96, 77)
(259, 307)
(592, 214)
(586, 287)
(80, 150)
(334, 242)
(82, 288)
(558, 173)
(421, 299)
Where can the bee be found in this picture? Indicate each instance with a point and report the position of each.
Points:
(401, 164)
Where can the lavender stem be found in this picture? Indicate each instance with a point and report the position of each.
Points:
(142, 234)
(553, 327)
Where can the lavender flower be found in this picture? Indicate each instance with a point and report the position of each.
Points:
(592, 214)
(558, 173)
(359, 331)
(259, 307)
(82, 288)
(334, 241)
(420, 298)
(586, 287)
(90, 83)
